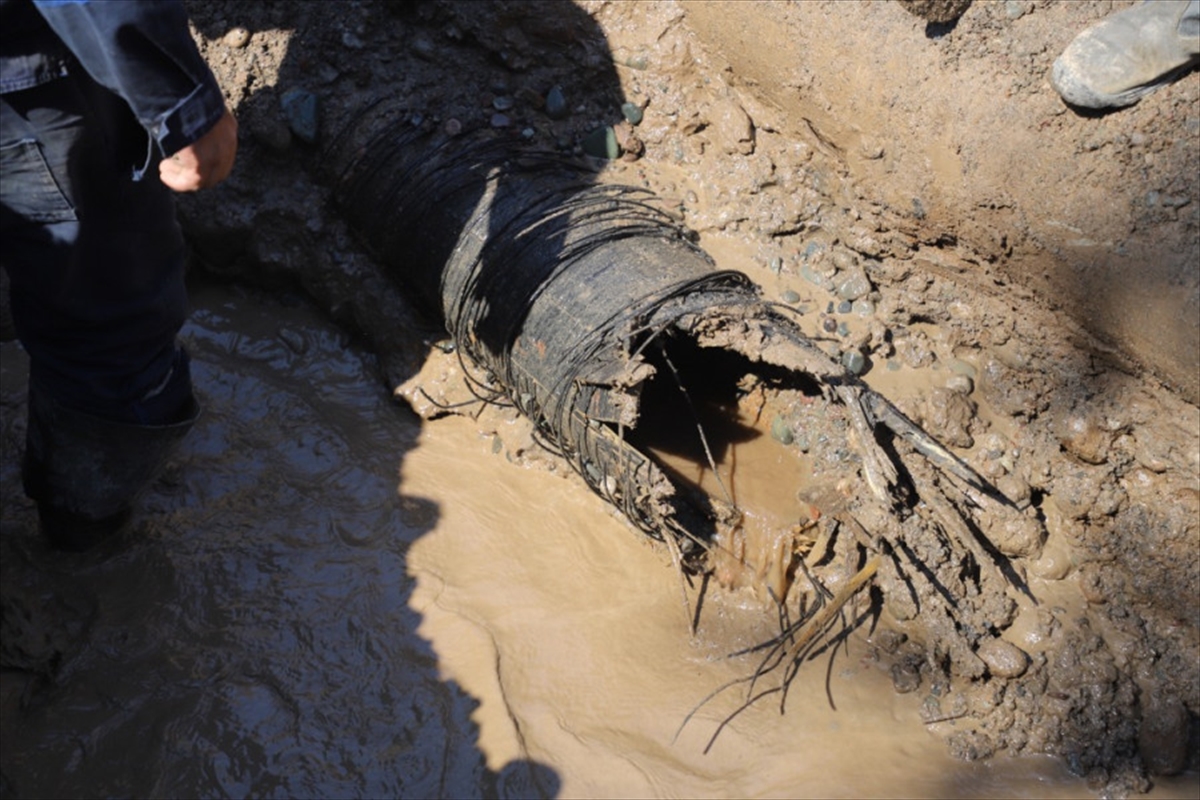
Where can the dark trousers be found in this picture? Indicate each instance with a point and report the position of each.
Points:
(94, 257)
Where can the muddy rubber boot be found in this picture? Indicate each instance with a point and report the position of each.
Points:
(85, 471)
(1129, 54)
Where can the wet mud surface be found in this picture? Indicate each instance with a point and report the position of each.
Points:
(327, 594)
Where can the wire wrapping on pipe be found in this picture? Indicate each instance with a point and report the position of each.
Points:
(550, 285)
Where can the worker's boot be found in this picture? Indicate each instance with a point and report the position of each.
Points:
(84, 471)
(1129, 54)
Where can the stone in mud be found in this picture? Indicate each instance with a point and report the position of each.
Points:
(556, 104)
(732, 127)
(602, 143)
(1084, 437)
(1015, 488)
(853, 284)
(1004, 659)
(300, 109)
(948, 416)
(629, 146)
(971, 745)
(237, 37)
(1016, 535)
(1015, 9)
(1054, 564)
(423, 48)
(1091, 584)
(854, 362)
(781, 431)
(906, 677)
(844, 259)
(813, 276)
(632, 113)
(960, 383)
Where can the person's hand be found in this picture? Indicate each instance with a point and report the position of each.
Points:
(205, 162)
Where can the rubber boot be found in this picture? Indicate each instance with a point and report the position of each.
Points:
(1129, 54)
(84, 471)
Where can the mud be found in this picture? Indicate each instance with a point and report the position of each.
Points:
(464, 656)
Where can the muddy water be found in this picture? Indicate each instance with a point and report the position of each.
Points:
(326, 597)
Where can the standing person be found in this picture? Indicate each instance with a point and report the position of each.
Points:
(106, 108)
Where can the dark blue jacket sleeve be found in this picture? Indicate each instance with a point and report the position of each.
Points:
(143, 51)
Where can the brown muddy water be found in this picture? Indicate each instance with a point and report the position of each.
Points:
(325, 596)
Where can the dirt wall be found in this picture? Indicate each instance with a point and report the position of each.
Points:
(975, 165)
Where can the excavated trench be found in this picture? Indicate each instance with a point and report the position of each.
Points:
(963, 538)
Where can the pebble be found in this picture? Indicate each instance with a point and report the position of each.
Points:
(528, 133)
(1015, 9)
(602, 143)
(1054, 563)
(502, 103)
(352, 41)
(854, 362)
(844, 307)
(500, 120)
(237, 37)
(905, 678)
(812, 276)
(780, 431)
(863, 308)
(1004, 659)
(790, 296)
(843, 329)
(423, 47)
(452, 127)
(556, 104)
(1018, 536)
(960, 367)
(829, 325)
(301, 112)
(960, 383)
(1016, 489)
(854, 285)
(844, 259)
(632, 112)
(776, 265)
